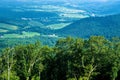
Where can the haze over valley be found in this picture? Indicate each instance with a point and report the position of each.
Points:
(51, 19)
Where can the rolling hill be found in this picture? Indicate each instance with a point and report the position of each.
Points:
(107, 26)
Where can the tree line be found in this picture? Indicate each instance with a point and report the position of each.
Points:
(96, 58)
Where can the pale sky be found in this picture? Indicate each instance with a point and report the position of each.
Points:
(65, 0)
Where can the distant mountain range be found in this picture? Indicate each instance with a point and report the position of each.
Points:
(108, 26)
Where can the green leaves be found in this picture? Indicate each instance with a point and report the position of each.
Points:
(95, 58)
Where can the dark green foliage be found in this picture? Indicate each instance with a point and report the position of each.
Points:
(109, 26)
(70, 59)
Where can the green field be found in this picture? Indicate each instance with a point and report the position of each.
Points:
(36, 24)
(8, 26)
(58, 26)
(3, 30)
(23, 35)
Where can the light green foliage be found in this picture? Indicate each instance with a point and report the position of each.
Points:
(13, 76)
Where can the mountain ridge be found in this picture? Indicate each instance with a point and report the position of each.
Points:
(108, 26)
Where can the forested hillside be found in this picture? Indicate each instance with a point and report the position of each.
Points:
(70, 59)
(109, 26)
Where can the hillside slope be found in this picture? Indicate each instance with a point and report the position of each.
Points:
(108, 26)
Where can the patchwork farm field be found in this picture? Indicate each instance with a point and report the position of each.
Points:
(8, 27)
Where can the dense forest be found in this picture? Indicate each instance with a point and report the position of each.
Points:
(106, 25)
(96, 58)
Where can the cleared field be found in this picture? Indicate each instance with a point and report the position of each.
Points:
(23, 35)
(58, 26)
(61, 9)
(71, 15)
(66, 11)
(8, 26)
(36, 24)
(3, 30)
(30, 34)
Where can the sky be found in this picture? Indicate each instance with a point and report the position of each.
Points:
(65, 0)
(98, 0)
(69, 1)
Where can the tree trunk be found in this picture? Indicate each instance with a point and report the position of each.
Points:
(8, 74)
(90, 72)
(28, 78)
(8, 67)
